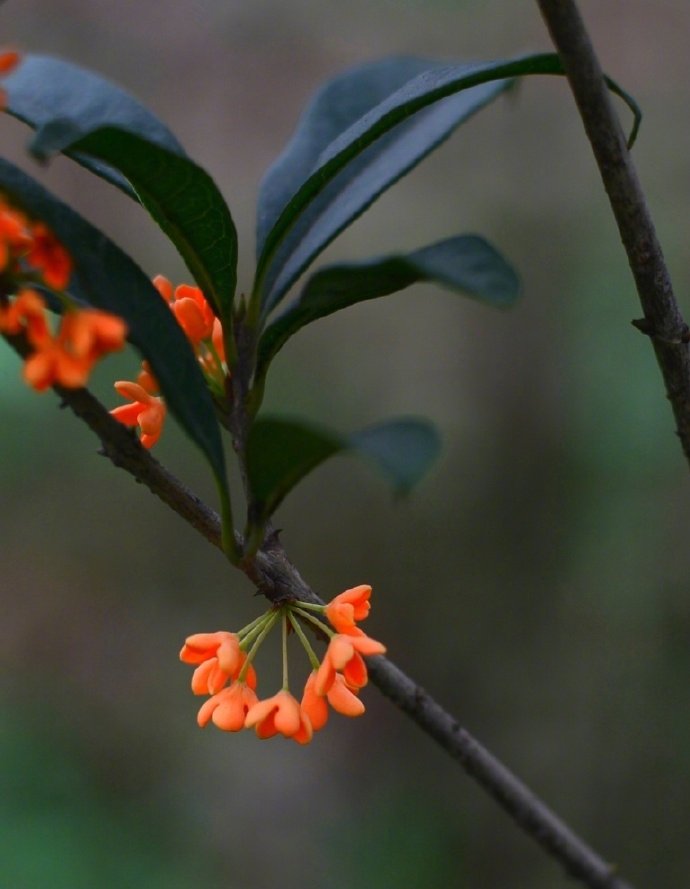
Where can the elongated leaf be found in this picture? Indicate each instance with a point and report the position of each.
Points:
(108, 279)
(106, 130)
(281, 452)
(43, 89)
(339, 104)
(181, 197)
(369, 156)
(367, 175)
(466, 264)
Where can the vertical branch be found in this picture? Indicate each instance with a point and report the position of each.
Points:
(662, 321)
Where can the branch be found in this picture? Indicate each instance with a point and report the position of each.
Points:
(662, 321)
(277, 578)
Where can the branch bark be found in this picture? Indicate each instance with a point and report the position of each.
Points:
(662, 321)
(277, 578)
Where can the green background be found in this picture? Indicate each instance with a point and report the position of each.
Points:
(537, 582)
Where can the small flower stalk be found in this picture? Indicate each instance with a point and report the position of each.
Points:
(32, 264)
(224, 669)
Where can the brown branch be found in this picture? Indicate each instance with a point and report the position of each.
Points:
(662, 321)
(277, 578)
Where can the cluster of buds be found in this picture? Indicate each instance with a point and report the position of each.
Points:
(31, 258)
(336, 681)
(146, 408)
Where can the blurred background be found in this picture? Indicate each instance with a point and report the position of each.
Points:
(537, 581)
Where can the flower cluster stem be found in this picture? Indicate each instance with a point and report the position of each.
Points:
(297, 627)
(313, 620)
(284, 624)
(251, 654)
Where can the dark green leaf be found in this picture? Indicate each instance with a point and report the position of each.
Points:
(337, 105)
(279, 454)
(108, 279)
(96, 123)
(367, 157)
(42, 90)
(181, 197)
(466, 264)
(403, 450)
(282, 452)
(371, 169)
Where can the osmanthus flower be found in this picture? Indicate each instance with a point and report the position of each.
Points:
(340, 696)
(280, 714)
(9, 59)
(205, 334)
(49, 257)
(190, 307)
(15, 237)
(333, 683)
(219, 658)
(31, 255)
(26, 314)
(67, 359)
(145, 411)
(229, 707)
(344, 656)
(35, 245)
(347, 608)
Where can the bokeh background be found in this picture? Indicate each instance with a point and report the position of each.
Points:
(537, 582)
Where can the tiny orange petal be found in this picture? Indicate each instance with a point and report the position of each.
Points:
(9, 59)
(343, 699)
(314, 704)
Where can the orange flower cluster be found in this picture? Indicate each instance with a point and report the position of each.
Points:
(30, 251)
(147, 408)
(223, 658)
(30, 254)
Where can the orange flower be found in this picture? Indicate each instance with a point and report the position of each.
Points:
(219, 657)
(190, 307)
(15, 236)
(282, 714)
(342, 698)
(344, 655)
(222, 645)
(9, 59)
(33, 242)
(52, 364)
(228, 709)
(164, 287)
(146, 411)
(92, 333)
(67, 359)
(217, 339)
(27, 313)
(49, 256)
(146, 379)
(315, 706)
(208, 678)
(193, 313)
(347, 608)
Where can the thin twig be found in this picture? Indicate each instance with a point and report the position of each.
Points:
(277, 578)
(662, 321)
